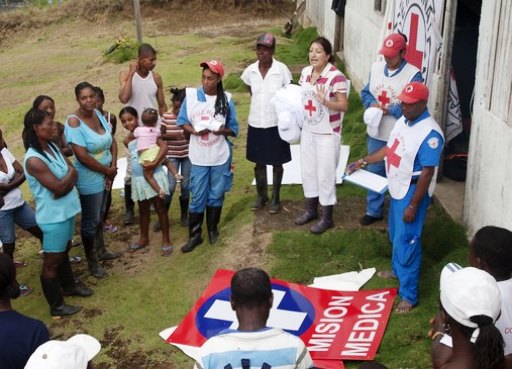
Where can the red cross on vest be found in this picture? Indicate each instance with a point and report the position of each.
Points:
(391, 157)
(310, 107)
(383, 98)
(414, 56)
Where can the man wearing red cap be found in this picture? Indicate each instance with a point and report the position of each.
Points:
(412, 155)
(264, 145)
(387, 79)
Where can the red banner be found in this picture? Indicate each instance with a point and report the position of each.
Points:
(334, 325)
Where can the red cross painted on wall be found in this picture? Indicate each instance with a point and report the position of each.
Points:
(392, 159)
(414, 56)
(384, 99)
(310, 107)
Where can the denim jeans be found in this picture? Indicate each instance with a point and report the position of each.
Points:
(375, 200)
(186, 167)
(93, 208)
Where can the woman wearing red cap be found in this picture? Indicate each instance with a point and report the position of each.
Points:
(387, 79)
(324, 97)
(208, 114)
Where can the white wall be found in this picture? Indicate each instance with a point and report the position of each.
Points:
(488, 197)
(363, 27)
(321, 16)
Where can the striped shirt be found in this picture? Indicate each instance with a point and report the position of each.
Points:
(267, 348)
(335, 82)
(176, 147)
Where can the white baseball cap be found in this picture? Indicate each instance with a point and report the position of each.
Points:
(74, 353)
(372, 117)
(467, 292)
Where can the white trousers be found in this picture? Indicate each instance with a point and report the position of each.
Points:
(319, 155)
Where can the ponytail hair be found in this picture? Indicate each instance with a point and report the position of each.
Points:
(221, 102)
(488, 352)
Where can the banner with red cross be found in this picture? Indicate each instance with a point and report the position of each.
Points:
(334, 325)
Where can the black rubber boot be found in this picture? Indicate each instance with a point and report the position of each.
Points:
(275, 203)
(70, 285)
(261, 187)
(325, 222)
(184, 211)
(53, 294)
(195, 221)
(95, 268)
(212, 221)
(103, 253)
(311, 211)
(128, 204)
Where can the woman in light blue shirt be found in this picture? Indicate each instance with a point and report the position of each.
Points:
(95, 150)
(52, 181)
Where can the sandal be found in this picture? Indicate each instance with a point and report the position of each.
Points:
(166, 250)
(134, 247)
(75, 259)
(109, 228)
(19, 263)
(25, 290)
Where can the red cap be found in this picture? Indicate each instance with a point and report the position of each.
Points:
(215, 66)
(414, 92)
(392, 45)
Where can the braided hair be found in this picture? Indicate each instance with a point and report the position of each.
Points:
(34, 117)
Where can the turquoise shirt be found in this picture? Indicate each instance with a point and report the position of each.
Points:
(50, 210)
(97, 146)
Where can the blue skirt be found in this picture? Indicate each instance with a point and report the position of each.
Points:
(264, 146)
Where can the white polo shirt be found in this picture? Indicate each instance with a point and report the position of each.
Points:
(262, 113)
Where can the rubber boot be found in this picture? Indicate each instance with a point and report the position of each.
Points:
(128, 204)
(95, 268)
(212, 221)
(311, 211)
(8, 250)
(70, 286)
(53, 294)
(325, 222)
(195, 221)
(275, 203)
(184, 211)
(261, 187)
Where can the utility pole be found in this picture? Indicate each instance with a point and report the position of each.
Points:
(138, 21)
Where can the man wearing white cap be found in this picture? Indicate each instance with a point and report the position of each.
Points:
(264, 145)
(412, 155)
(470, 305)
(75, 353)
(387, 79)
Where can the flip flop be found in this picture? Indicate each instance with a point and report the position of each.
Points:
(134, 247)
(75, 259)
(19, 263)
(166, 250)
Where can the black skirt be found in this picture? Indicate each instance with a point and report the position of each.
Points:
(264, 146)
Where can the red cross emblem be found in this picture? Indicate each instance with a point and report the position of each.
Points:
(205, 136)
(310, 107)
(392, 158)
(383, 98)
(414, 56)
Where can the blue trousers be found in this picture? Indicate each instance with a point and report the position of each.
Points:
(406, 241)
(208, 185)
(186, 166)
(375, 200)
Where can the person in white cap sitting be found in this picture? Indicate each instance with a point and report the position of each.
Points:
(387, 79)
(470, 305)
(412, 156)
(75, 353)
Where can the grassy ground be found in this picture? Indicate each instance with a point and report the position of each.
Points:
(146, 292)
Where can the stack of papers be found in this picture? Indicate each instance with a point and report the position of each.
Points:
(368, 180)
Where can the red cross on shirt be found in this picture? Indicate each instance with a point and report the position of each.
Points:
(414, 56)
(391, 156)
(310, 107)
(383, 98)
(204, 137)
